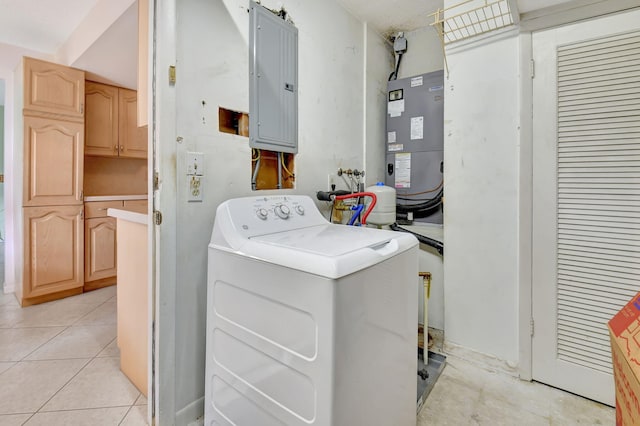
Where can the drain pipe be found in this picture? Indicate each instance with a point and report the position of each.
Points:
(426, 282)
(254, 178)
(280, 160)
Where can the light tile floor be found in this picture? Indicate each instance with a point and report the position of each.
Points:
(60, 365)
(468, 395)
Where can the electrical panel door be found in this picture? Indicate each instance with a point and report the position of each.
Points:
(273, 88)
(415, 139)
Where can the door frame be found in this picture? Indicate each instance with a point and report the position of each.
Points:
(557, 16)
(162, 237)
(525, 209)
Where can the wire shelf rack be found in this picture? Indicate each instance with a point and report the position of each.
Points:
(471, 18)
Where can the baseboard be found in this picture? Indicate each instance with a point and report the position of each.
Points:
(479, 359)
(190, 413)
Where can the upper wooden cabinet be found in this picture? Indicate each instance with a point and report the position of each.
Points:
(53, 89)
(111, 123)
(133, 139)
(53, 162)
(101, 130)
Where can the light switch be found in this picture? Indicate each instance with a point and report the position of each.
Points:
(195, 164)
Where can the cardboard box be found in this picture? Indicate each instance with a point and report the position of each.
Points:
(624, 329)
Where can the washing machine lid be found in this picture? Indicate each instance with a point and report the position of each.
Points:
(326, 240)
(304, 240)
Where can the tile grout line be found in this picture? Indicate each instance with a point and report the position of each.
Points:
(89, 360)
(24, 358)
(65, 384)
(127, 413)
(90, 312)
(81, 369)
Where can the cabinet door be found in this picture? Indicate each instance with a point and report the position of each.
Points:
(53, 162)
(53, 89)
(53, 249)
(100, 248)
(101, 120)
(133, 139)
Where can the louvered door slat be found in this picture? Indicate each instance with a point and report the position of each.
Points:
(598, 204)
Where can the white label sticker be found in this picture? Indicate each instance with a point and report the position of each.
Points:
(391, 137)
(396, 108)
(395, 147)
(435, 88)
(403, 170)
(417, 128)
(416, 81)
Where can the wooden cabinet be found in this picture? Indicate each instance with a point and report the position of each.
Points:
(138, 206)
(111, 123)
(99, 244)
(133, 139)
(100, 241)
(99, 249)
(53, 252)
(101, 137)
(53, 139)
(53, 162)
(52, 89)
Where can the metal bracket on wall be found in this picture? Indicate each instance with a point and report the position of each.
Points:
(472, 18)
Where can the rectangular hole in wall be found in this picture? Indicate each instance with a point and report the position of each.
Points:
(234, 122)
(266, 163)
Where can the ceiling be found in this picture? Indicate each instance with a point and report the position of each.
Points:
(40, 27)
(389, 16)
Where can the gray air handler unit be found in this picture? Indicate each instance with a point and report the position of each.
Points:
(415, 144)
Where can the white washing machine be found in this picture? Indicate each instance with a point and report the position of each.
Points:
(308, 323)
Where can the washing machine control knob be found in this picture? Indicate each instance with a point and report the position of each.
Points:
(262, 214)
(300, 210)
(282, 211)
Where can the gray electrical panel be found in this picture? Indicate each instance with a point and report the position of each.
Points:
(273, 81)
(415, 141)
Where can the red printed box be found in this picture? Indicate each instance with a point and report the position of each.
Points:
(624, 329)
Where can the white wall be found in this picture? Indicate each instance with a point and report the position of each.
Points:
(481, 211)
(424, 53)
(2, 233)
(336, 118)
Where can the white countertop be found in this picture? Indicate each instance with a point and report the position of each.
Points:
(129, 216)
(115, 197)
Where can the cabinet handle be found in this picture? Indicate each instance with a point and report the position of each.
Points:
(121, 147)
(115, 148)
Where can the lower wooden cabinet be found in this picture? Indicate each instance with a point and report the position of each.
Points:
(53, 253)
(100, 249)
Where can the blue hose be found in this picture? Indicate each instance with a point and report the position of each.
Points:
(358, 210)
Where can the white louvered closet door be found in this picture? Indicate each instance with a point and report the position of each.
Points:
(586, 197)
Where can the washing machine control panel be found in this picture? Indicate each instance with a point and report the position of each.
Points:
(253, 216)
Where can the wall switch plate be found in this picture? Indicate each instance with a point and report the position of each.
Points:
(195, 163)
(194, 188)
